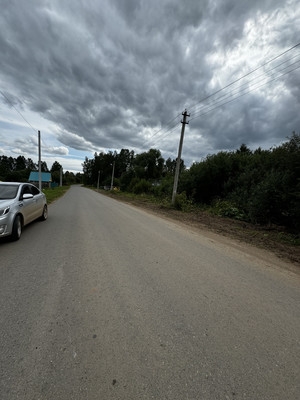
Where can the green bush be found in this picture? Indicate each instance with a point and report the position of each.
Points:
(269, 202)
(142, 186)
(182, 203)
(164, 189)
(225, 208)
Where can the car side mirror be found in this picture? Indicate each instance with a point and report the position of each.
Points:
(27, 196)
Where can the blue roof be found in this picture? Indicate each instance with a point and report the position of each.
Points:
(34, 177)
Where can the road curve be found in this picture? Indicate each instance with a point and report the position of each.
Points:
(105, 301)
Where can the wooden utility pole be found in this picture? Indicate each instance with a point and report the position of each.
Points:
(112, 177)
(185, 115)
(61, 176)
(40, 161)
(98, 180)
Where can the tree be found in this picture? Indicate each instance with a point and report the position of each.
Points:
(55, 171)
(206, 180)
(88, 167)
(149, 165)
(30, 165)
(6, 166)
(262, 185)
(56, 166)
(20, 163)
(243, 149)
(69, 178)
(44, 167)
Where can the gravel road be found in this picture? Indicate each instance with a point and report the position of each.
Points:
(105, 301)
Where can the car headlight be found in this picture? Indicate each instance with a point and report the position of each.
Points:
(4, 211)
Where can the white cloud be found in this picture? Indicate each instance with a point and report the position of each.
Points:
(99, 75)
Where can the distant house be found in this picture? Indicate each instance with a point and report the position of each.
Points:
(46, 178)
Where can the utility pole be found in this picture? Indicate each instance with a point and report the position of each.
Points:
(185, 115)
(61, 176)
(98, 180)
(112, 177)
(40, 162)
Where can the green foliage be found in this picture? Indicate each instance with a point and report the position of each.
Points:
(126, 179)
(289, 238)
(261, 186)
(117, 183)
(182, 203)
(142, 186)
(54, 193)
(164, 187)
(268, 201)
(149, 165)
(18, 170)
(102, 166)
(69, 178)
(56, 171)
(56, 166)
(225, 208)
(206, 179)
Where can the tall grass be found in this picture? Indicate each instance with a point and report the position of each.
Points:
(54, 193)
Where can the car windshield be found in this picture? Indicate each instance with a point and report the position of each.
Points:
(8, 191)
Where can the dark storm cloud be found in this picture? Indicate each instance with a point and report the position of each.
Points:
(111, 74)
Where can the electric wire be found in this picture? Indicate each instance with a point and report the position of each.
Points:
(169, 131)
(244, 76)
(249, 82)
(35, 130)
(200, 111)
(44, 143)
(243, 94)
(239, 93)
(163, 130)
(233, 96)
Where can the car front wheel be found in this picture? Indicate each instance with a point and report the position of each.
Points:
(17, 228)
(45, 213)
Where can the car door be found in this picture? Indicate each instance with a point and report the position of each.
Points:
(28, 204)
(39, 201)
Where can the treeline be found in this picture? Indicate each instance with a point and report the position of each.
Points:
(137, 173)
(18, 170)
(261, 186)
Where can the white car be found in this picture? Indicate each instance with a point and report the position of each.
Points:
(20, 204)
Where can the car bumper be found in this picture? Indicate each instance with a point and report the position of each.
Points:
(6, 224)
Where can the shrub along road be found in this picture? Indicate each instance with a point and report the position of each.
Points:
(106, 301)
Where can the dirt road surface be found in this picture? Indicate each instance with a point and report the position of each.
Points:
(107, 301)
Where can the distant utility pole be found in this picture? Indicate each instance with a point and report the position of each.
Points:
(112, 177)
(98, 180)
(61, 176)
(40, 161)
(185, 115)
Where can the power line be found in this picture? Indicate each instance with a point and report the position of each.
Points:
(169, 131)
(244, 76)
(201, 111)
(243, 94)
(237, 92)
(163, 131)
(250, 82)
(35, 130)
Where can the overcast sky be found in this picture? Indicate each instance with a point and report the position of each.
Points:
(98, 75)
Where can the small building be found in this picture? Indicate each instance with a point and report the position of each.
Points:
(46, 178)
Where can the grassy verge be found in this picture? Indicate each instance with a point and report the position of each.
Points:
(54, 193)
